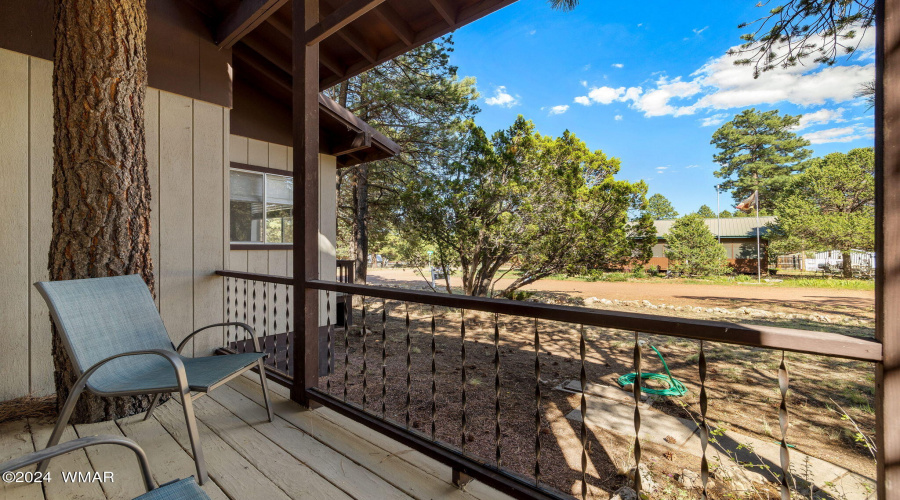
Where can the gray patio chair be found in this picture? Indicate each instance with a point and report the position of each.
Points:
(119, 346)
(182, 489)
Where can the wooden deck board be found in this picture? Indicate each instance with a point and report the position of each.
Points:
(302, 454)
(77, 461)
(237, 477)
(168, 460)
(356, 480)
(113, 458)
(289, 474)
(388, 465)
(15, 441)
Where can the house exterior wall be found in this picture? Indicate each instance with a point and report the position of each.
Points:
(188, 143)
(741, 254)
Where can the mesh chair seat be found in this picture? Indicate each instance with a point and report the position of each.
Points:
(155, 374)
(184, 489)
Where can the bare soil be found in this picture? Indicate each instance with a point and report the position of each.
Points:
(854, 303)
(456, 401)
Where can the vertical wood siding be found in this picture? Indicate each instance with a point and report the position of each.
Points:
(187, 153)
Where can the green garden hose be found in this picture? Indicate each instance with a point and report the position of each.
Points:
(676, 388)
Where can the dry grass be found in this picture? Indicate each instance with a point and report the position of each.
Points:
(28, 407)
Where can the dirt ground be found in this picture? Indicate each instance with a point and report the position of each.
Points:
(855, 303)
(455, 398)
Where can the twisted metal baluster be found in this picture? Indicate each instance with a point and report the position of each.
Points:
(783, 386)
(462, 334)
(637, 413)
(383, 356)
(288, 354)
(408, 364)
(365, 365)
(348, 305)
(704, 427)
(228, 310)
(537, 404)
(275, 323)
(254, 310)
(582, 349)
(433, 371)
(497, 430)
(265, 317)
(246, 313)
(329, 328)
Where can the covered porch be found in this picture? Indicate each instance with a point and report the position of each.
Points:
(302, 454)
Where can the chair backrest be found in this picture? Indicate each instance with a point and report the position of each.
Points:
(101, 317)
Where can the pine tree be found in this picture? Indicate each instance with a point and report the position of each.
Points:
(693, 250)
(759, 151)
(659, 207)
(706, 212)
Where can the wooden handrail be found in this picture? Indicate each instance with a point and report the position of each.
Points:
(262, 278)
(767, 337)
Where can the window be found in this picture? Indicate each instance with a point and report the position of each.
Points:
(262, 207)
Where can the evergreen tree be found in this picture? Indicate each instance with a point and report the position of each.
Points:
(693, 250)
(759, 151)
(725, 214)
(659, 207)
(830, 206)
(706, 212)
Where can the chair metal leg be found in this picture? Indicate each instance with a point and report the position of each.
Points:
(62, 421)
(153, 406)
(194, 434)
(265, 389)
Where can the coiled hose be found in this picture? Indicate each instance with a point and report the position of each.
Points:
(676, 388)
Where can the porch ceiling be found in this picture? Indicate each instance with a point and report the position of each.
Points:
(382, 33)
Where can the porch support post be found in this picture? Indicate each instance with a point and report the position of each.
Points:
(887, 237)
(306, 201)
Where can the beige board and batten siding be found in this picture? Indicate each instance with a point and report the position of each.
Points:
(187, 151)
(280, 262)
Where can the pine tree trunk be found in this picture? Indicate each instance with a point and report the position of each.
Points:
(847, 265)
(360, 233)
(101, 187)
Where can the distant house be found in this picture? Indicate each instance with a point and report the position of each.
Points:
(737, 234)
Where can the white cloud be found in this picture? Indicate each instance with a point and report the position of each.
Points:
(821, 117)
(583, 83)
(692, 166)
(721, 85)
(697, 31)
(502, 98)
(586, 67)
(532, 32)
(618, 118)
(840, 134)
(661, 170)
(583, 100)
(618, 65)
(713, 120)
(558, 110)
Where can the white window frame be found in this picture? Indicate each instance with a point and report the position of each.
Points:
(265, 184)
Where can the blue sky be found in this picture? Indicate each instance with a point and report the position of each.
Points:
(649, 83)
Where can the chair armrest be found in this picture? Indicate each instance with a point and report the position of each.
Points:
(171, 357)
(77, 444)
(245, 326)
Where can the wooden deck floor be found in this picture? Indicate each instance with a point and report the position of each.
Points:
(303, 454)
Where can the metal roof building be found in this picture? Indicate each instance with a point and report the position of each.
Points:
(731, 227)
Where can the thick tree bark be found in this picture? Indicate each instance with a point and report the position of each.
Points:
(360, 235)
(847, 266)
(101, 187)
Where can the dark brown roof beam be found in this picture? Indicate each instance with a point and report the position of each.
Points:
(350, 35)
(359, 141)
(447, 12)
(344, 15)
(464, 17)
(396, 23)
(245, 18)
(284, 63)
(282, 80)
(324, 57)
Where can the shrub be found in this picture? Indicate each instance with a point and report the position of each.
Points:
(639, 272)
(693, 250)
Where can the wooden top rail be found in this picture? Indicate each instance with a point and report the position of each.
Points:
(264, 278)
(805, 341)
